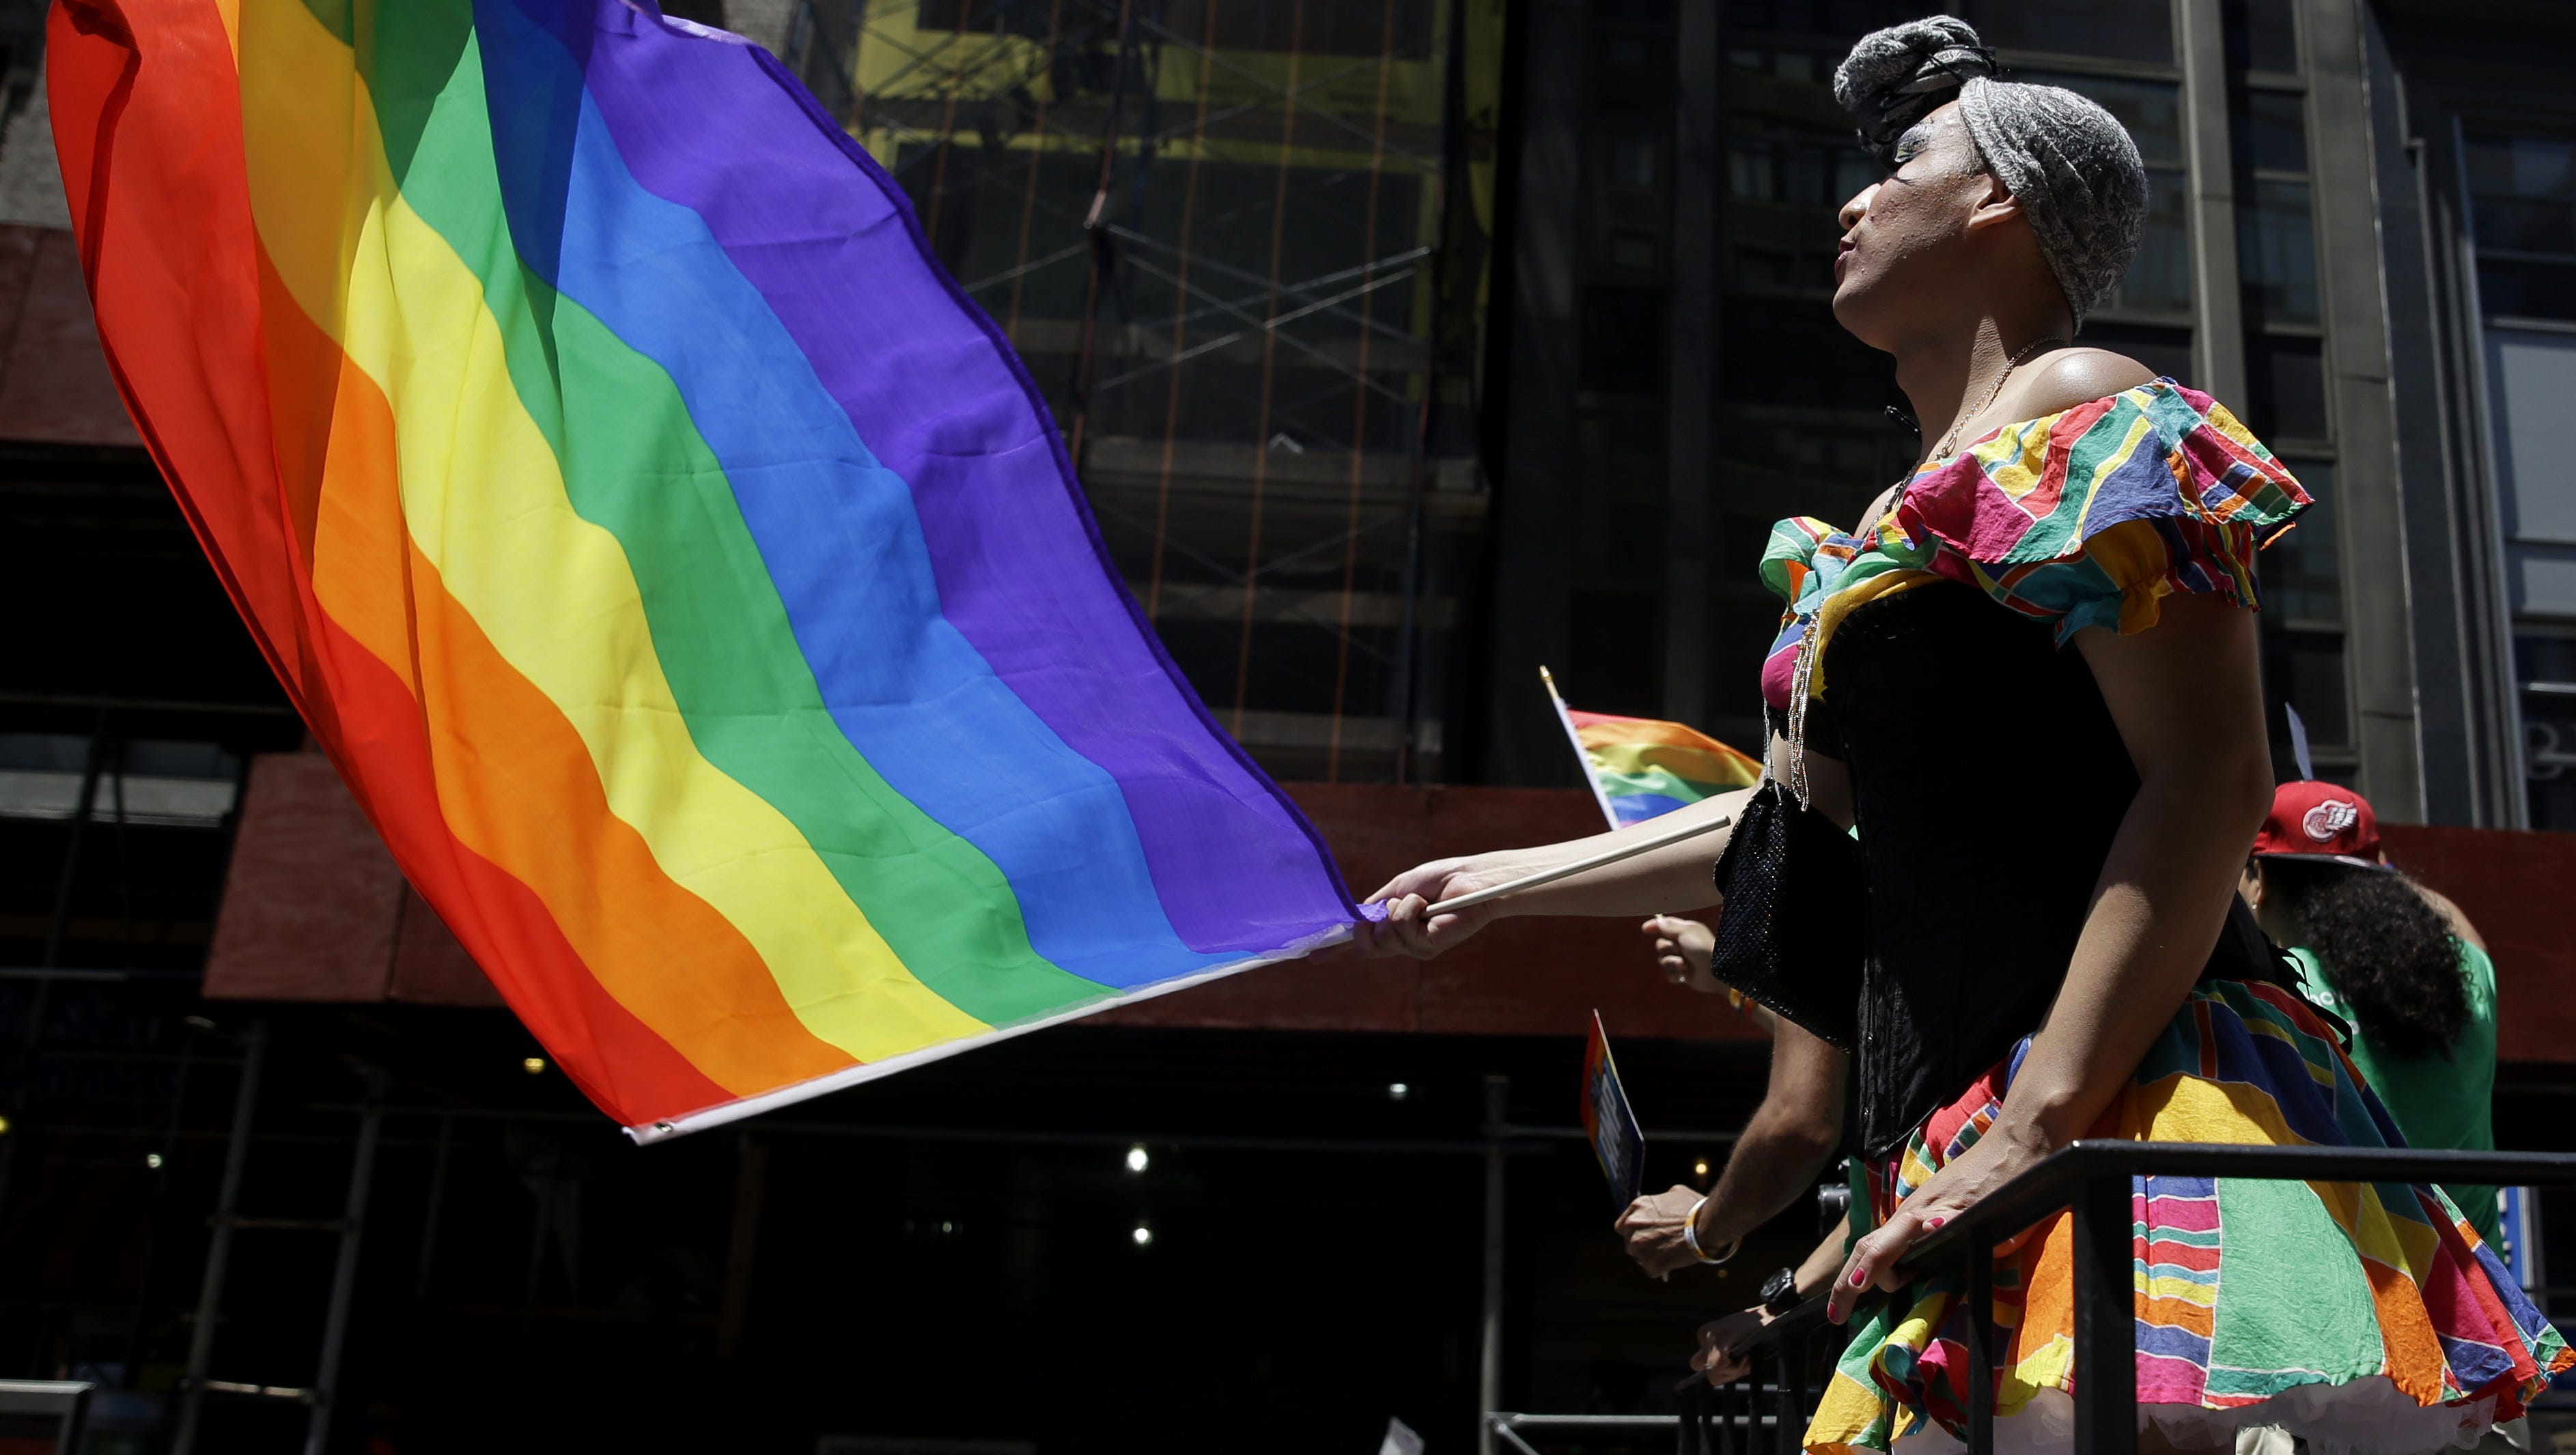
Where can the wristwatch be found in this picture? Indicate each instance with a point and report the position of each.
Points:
(1780, 1292)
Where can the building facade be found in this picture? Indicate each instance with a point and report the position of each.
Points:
(2359, 238)
(1408, 345)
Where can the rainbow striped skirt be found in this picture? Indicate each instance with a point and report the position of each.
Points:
(2356, 1316)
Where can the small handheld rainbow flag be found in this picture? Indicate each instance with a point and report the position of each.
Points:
(1609, 1122)
(1640, 767)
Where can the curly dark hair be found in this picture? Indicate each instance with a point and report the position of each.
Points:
(2389, 951)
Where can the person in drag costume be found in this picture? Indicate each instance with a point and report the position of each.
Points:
(2029, 675)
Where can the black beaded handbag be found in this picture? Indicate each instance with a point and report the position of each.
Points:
(1792, 883)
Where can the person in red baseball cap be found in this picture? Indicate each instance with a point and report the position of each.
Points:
(2321, 821)
(2399, 963)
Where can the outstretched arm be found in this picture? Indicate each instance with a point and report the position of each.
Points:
(2187, 697)
(1675, 878)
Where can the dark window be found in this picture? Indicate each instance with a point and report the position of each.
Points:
(2514, 288)
(2523, 194)
(2546, 666)
(1790, 351)
(2300, 575)
(1815, 170)
(2159, 277)
(2277, 252)
(2272, 130)
(1618, 644)
(1785, 186)
(1635, 145)
(1787, 65)
(1655, 13)
(2314, 685)
(2546, 661)
(2285, 388)
(1623, 340)
(2262, 35)
(1307, 27)
(2526, 224)
(1852, 18)
(2132, 32)
(2300, 572)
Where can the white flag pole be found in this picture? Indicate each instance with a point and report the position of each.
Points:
(1565, 719)
(1645, 843)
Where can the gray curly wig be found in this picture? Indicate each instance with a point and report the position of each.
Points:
(2069, 163)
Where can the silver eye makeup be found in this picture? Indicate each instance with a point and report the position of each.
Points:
(1916, 141)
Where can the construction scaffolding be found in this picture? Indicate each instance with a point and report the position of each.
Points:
(1239, 244)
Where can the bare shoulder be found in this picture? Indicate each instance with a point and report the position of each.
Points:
(2070, 377)
(2458, 917)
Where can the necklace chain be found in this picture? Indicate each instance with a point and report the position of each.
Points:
(1802, 673)
(2028, 352)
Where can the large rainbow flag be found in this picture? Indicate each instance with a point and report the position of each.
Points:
(1642, 767)
(684, 576)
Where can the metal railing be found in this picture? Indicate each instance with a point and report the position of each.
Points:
(33, 1409)
(1708, 1422)
(2093, 1180)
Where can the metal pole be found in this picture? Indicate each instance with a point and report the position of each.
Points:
(1489, 1354)
(22, 1089)
(1981, 1341)
(1095, 227)
(344, 1277)
(437, 1206)
(69, 881)
(750, 1182)
(1793, 1371)
(210, 1293)
(155, 1211)
(2106, 1334)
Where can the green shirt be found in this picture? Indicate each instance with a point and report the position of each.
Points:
(2438, 1101)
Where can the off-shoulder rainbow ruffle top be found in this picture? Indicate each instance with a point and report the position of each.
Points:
(2087, 517)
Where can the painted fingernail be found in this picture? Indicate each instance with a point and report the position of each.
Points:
(1936, 1222)
(1859, 1277)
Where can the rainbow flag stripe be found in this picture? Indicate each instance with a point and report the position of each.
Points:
(1646, 767)
(685, 577)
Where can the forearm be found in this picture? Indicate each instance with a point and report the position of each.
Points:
(2156, 915)
(1774, 1163)
(1788, 1140)
(1675, 879)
